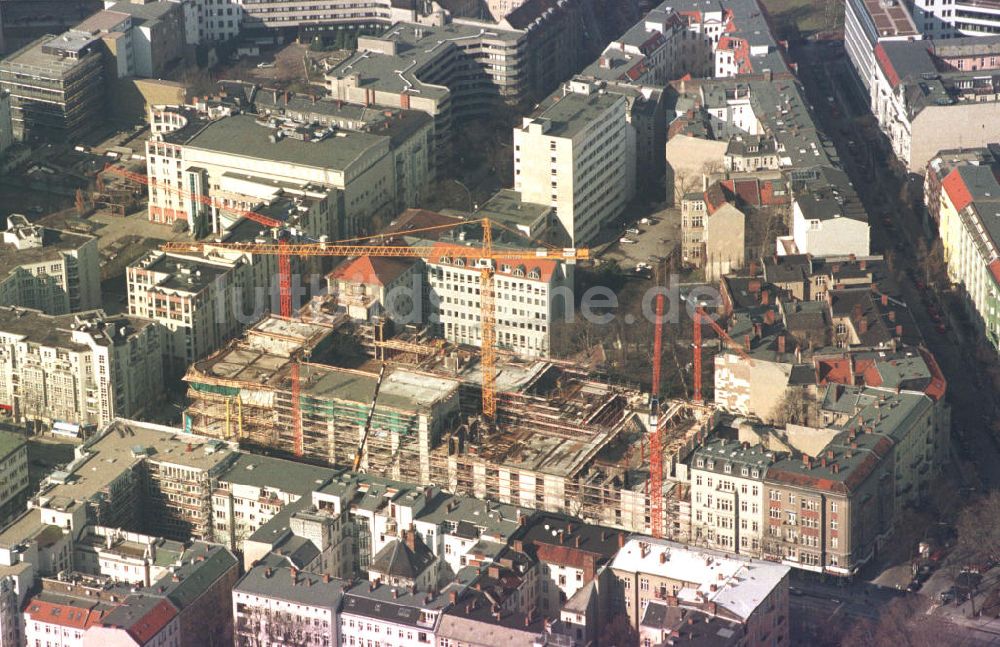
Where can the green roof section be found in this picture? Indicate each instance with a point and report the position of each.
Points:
(10, 442)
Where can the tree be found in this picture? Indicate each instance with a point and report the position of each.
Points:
(901, 623)
(618, 632)
(978, 530)
(798, 406)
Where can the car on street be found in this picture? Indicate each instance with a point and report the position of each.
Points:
(625, 240)
(264, 65)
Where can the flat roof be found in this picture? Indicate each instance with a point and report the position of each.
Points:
(122, 444)
(573, 112)
(275, 473)
(507, 206)
(55, 244)
(243, 136)
(32, 55)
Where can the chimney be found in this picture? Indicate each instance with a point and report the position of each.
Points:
(885, 299)
(621, 540)
(899, 331)
(822, 462)
(829, 454)
(746, 342)
(754, 285)
(395, 594)
(562, 537)
(663, 557)
(769, 315)
(758, 330)
(892, 315)
(863, 326)
(494, 572)
(410, 537)
(781, 343)
(807, 461)
(326, 578)
(713, 588)
(863, 264)
(453, 597)
(765, 298)
(521, 520)
(576, 541)
(836, 468)
(518, 545)
(604, 535)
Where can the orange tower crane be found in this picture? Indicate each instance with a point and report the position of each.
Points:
(485, 254)
(655, 441)
(699, 316)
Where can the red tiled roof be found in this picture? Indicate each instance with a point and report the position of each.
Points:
(886, 65)
(64, 615)
(372, 271)
(958, 193)
(936, 389)
(748, 191)
(567, 556)
(413, 219)
(146, 627)
(834, 370)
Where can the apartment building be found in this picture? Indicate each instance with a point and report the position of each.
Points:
(6, 129)
(727, 496)
(200, 302)
(753, 593)
(868, 23)
(411, 134)
(576, 153)
(713, 233)
(80, 370)
(828, 218)
(529, 297)
(968, 207)
(13, 474)
(46, 269)
(942, 164)
(345, 179)
(317, 17)
(140, 39)
(920, 90)
(57, 87)
(137, 475)
(463, 68)
(277, 604)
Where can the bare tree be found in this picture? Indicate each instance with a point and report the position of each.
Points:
(798, 406)
(901, 623)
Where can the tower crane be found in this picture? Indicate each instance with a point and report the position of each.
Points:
(486, 255)
(699, 315)
(655, 431)
(368, 421)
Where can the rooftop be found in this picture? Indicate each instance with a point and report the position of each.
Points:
(276, 474)
(41, 54)
(55, 244)
(244, 136)
(740, 585)
(122, 444)
(290, 585)
(569, 113)
(187, 274)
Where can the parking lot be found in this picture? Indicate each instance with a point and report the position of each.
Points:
(644, 243)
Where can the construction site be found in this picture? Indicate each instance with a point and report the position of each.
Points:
(561, 440)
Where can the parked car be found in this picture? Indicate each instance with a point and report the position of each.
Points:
(632, 231)
(265, 65)
(627, 241)
(947, 596)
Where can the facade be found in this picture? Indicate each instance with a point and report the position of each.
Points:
(577, 154)
(868, 23)
(281, 605)
(727, 496)
(828, 218)
(968, 204)
(6, 128)
(369, 287)
(50, 270)
(529, 297)
(316, 17)
(57, 87)
(145, 39)
(335, 184)
(919, 90)
(712, 582)
(79, 370)
(200, 303)
(13, 481)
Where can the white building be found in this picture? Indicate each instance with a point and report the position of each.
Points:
(528, 297)
(727, 496)
(13, 477)
(275, 605)
(83, 369)
(51, 270)
(200, 301)
(326, 183)
(870, 22)
(576, 153)
(828, 218)
(377, 612)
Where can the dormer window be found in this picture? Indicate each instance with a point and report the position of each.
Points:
(505, 268)
(459, 262)
(534, 274)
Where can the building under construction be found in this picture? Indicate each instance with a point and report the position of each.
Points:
(562, 440)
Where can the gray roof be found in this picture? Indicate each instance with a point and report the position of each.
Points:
(277, 474)
(307, 589)
(396, 559)
(395, 605)
(571, 113)
(243, 136)
(55, 245)
(183, 273)
(723, 452)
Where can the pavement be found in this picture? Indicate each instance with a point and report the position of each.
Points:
(974, 453)
(654, 241)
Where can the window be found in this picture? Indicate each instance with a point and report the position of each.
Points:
(775, 495)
